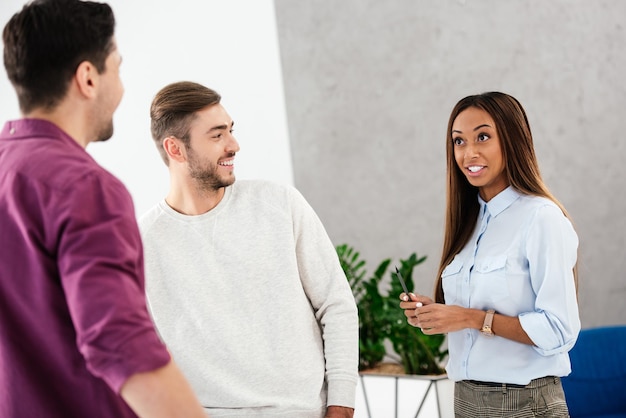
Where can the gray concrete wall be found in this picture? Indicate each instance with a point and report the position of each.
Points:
(369, 86)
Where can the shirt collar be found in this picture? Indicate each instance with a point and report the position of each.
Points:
(27, 128)
(500, 202)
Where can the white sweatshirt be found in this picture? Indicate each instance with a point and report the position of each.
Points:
(253, 304)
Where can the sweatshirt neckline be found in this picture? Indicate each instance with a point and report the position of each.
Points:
(203, 216)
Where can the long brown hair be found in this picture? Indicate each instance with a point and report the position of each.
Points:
(521, 168)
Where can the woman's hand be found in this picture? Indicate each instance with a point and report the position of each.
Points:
(412, 301)
(437, 318)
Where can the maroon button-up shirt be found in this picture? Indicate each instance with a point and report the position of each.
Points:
(73, 318)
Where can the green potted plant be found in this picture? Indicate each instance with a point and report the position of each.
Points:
(382, 323)
(381, 319)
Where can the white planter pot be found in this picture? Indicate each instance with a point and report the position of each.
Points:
(404, 396)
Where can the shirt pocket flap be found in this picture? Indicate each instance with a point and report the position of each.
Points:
(453, 268)
(489, 264)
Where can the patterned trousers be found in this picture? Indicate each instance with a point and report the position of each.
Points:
(542, 397)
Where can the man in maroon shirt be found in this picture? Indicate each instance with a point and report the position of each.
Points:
(76, 339)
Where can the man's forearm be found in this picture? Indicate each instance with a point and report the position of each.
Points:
(161, 393)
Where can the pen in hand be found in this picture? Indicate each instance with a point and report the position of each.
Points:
(404, 288)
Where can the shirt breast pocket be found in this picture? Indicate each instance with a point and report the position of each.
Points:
(451, 280)
(490, 277)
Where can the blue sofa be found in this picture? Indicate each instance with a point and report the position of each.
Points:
(596, 388)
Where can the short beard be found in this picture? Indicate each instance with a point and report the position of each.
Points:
(205, 174)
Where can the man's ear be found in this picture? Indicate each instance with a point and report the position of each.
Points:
(86, 77)
(174, 149)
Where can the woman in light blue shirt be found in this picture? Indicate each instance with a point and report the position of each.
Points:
(506, 289)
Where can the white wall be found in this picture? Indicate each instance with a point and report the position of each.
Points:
(230, 46)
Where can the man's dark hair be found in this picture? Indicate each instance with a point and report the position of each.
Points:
(46, 41)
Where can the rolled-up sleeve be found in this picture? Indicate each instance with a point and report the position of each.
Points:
(551, 247)
(102, 275)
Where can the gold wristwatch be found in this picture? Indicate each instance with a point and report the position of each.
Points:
(486, 329)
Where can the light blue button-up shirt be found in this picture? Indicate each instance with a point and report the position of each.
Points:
(519, 262)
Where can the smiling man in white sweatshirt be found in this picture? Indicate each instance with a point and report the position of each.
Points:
(243, 283)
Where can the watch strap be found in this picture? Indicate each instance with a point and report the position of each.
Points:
(487, 325)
